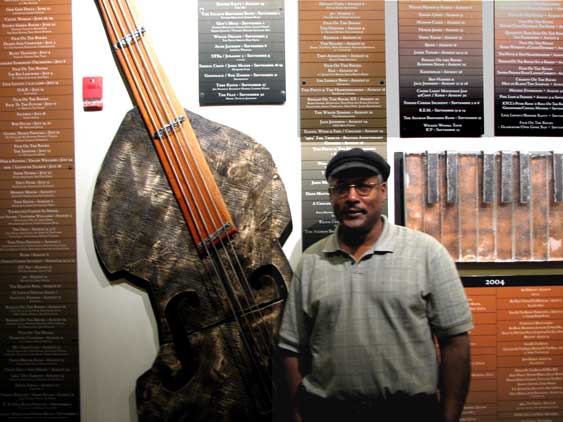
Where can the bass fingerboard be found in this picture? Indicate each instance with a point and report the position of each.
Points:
(186, 168)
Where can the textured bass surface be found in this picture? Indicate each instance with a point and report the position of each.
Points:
(201, 372)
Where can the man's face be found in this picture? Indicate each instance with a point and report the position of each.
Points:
(354, 211)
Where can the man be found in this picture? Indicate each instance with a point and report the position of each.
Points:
(364, 307)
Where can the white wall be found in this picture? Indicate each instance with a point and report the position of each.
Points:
(117, 332)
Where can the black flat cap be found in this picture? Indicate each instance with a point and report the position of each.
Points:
(357, 158)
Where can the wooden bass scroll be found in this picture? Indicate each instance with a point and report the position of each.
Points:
(194, 213)
(486, 207)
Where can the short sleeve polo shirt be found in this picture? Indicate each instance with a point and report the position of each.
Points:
(367, 326)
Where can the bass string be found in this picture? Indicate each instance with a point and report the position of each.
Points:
(216, 270)
(168, 102)
(231, 257)
(205, 232)
(167, 135)
(145, 104)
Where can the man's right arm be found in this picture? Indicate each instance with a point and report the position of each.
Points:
(292, 343)
(293, 378)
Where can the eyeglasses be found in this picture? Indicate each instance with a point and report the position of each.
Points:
(363, 189)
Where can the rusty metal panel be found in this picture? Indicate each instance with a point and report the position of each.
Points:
(468, 196)
(540, 199)
(450, 215)
(503, 209)
(432, 220)
(414, 183)
(558, 177)
(484, 207)
(555, 245)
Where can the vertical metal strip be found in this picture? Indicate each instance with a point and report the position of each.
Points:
(506, 177)
(400, 197)
(524, 163)
(488, 178)
(432, 178)
(451, 177)
(558, 178)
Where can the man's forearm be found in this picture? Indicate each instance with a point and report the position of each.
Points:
(294, 378)
(455, 374)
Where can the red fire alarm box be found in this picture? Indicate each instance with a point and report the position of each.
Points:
(92, 93)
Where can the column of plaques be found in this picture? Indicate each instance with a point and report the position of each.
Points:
(528, 68)
(342, 70)
(440, 68)
(342, 94)
(38, 300)
(517, 364)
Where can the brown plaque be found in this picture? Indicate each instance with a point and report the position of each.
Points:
(342, 71)
(517, 348)
(38, 300)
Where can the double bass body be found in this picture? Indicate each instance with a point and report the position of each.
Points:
(205, 369)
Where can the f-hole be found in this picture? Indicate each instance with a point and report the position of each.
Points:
(268, 276)
(176, 314)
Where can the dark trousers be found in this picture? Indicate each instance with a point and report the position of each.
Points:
(399, 408)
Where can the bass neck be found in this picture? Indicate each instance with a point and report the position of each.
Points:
(191, 180)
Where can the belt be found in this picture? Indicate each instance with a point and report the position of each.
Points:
(395, 408)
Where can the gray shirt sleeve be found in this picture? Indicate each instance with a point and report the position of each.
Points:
(292, 331)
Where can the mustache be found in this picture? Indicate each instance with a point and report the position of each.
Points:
(353, 209)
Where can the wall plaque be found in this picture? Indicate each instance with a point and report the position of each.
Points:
(440, 68)
(517, 364)
(241, 52)
(528, 68)
(342, 71)
(38, 302)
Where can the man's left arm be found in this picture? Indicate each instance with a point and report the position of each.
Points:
(455, 374)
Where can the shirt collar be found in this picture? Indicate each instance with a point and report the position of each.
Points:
(383, 244)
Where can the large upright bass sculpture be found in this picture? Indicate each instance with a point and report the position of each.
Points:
(193, 223)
